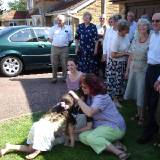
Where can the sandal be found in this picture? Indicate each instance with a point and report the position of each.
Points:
(157, 142)
(140, 121)
(157, 145)
(120, 146)
(123, 155)
(136, 117)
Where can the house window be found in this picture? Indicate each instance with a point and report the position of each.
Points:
(68, 20)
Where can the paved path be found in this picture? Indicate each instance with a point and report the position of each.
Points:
(28, 93)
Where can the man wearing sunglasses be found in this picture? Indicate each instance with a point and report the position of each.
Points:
(101, 29)
(152, 78)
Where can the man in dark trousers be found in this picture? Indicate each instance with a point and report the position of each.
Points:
(152, 75)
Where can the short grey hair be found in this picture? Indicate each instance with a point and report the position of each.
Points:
(61, 17)
(144, 21)
(116, 17)
(87, 14)
(123, 25)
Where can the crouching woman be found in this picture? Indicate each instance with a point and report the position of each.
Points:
(108, 123)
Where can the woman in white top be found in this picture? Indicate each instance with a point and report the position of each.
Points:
(110, 33)
(118, 62)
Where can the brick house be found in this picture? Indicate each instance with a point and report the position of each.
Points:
(13, 18)
(45, 11)
(139, 7)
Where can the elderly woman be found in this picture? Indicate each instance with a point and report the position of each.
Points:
(137, 65)
(86, 42)
(118, 62)
(110, 33)
(108, 123)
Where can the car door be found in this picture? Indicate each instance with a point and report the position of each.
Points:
(26, 43)
(42, 35)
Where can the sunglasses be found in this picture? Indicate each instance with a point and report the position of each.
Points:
(156, 20)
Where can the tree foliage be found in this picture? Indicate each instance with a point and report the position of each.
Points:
(18, 5)
(1, 10)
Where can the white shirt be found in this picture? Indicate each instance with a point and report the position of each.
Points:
(120, 44)
(154, 50)
(60, 35)
(108, 38)
(132, 30)
(100, 29)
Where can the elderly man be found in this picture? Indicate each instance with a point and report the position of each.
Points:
(101, 28)
(133, 24)
(60, 36)
(152, 80)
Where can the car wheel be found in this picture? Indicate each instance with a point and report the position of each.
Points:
(11, 66)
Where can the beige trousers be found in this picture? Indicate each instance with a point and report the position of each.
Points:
(59, 55)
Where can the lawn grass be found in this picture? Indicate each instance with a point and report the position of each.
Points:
(16, 130)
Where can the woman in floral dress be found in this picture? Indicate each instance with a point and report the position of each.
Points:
(86, 45)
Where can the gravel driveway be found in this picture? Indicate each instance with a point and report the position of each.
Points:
(28, 93)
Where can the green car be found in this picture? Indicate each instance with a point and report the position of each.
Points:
(25, 48)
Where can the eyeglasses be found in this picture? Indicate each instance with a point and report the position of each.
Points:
(156, 20)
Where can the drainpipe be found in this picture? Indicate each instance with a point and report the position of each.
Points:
(104, 7)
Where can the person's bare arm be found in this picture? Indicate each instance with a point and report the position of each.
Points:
(119, 54)
(157, 86)
(128, 67)
(87, 127)
(77, 46)
(96, 48)
(71, 135)
(89, 111)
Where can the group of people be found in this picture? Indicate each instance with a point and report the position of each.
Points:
(128, 55)
(97, 122)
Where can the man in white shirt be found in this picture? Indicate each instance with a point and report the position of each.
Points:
(60, 36)
(101, 28)
(133, 25)
(152, 80)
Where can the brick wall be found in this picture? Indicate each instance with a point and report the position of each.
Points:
(111, 9)
(94, 9)
(97, 8)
